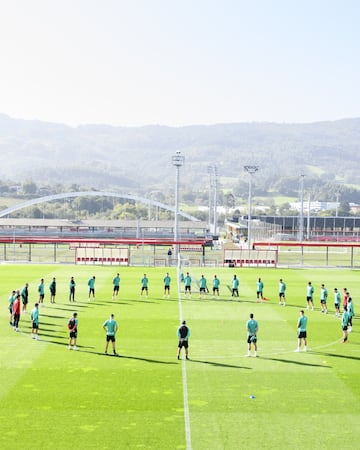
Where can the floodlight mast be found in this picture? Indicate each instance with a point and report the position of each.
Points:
(301, 218)
(178, 161)
(251, 170)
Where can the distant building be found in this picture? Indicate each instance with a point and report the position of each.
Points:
(315, 206)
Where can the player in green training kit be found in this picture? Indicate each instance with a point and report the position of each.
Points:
(252, 328)
(111, 327)
(116, 286)
(235, 287)
(323, 298)
(202, 286)
(259, 290)
(344, 324)
(301, 327)
(337, 302)
(310, 296)
(41, 291)
(187, 281)
(215, 288)
(35, 322)
(282, 289)
(167, 281)
(350, 310)
(144, 286)
(91, 284)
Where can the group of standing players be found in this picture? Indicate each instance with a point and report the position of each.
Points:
(18, 301)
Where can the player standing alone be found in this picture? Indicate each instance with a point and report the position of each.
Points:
(116, 286)
(73, 326)
(259, 290)
(252, 328)
(301, 327)
(167, 281)
(183, 333)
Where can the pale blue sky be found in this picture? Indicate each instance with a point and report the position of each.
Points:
(168, 62)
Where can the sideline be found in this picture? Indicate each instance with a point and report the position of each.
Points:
(183, 369)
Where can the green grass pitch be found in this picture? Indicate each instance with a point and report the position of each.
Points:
(53, 398)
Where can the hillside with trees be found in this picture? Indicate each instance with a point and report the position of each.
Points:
(138, 159)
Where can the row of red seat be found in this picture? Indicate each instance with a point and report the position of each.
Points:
(241, 262)
(100, 259)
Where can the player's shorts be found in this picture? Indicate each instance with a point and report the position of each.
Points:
(92, 291)
(116, 288)
(202, 289)
(187, 288)
(302, 334)
(259, 292)
(252, 339)
(323, 302)
(337, 305)
(35, 325)
(183, 343)
(215, 290)
(281, 294)
(110, 338)
(166, 288)
(309, 299)
(235, 292)
(144, 288)
(73, 334)
(41, 296)
(24, 301)
(345, 328)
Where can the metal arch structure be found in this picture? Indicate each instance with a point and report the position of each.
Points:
(49, 198)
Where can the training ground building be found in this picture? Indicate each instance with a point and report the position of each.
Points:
(114, 242)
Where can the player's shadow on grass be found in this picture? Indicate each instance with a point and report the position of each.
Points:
(141, 301)
(52, 336)
(51, 324)
(335, 355)
(138, 358)
(298, 363)
(53, 317)
(49, 330)
(105, 303)
(73, 306)
(216, 364)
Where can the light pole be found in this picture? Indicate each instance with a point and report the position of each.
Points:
(178, 161)
(213, 185)
(301, 218)
(215, 199)
(210, 169)
(251, 170)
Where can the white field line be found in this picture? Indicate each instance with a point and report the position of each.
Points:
(184, 377)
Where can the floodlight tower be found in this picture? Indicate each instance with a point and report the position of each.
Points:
(210, 174)
(215, 199)
(178, 161)
(213, 194)
(251, 170)
(301, 218)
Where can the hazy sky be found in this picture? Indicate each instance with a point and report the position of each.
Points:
(179, 62)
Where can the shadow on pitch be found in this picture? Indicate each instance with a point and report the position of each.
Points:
(298, 363)
(335, 355)
(216, 364)
(137, 358)
(53, 317)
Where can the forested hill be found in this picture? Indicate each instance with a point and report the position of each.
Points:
(131, 158)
